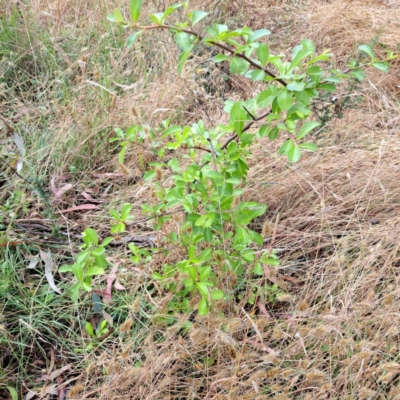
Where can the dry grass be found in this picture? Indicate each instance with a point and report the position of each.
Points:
(333, 332)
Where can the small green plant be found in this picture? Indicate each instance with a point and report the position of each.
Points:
(96, 332)
(121, 218)
(207, 190)
(89, 262)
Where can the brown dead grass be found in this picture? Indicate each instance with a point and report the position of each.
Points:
(334, 333)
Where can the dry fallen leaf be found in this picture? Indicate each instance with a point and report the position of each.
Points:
(55, 374)
(52, 389)
(78, 208)
(118, 286)
(108, 318)
(48, 270)
(87, 196)
(63, 190)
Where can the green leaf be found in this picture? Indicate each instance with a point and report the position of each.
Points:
(99, 251)
(273, 134)
(217, 294)
(205, 272)
(238, 116)
(220, 58)
(184, 56)
(198, 16)
(235, 181)
(308, 146)
(125, 211)
(89, 329)
(286, 146)
(75, 291)
(156, 18)
(86, 285)
(205, 255)
(329, 87)
(264, 130)
(220, 29)
(214, 175)
(201, 189)
(94, 270)
(100, 261)
(203, 288)
(121, 154)
(203, 307)
(285, 99)
(132, 38)
(247, 255)
(247, 211)
(82, 257)
(149, 175)
(381, 66)
(263, 53)
(302, 97)
(90, 236)
(183, 40)
(266, 97)
(238, 66)
(170, 10)
(116, 17)
(172, 130)
(325, 56)
(332, 79)
(314, 70)
(298, 55)
(13, 393)
(294, 154)
(258, 269)
(135, 8)
(306, 128)
(277, 62)
(365, 48)
(309, 45)
(295, 86)
(258, 34)
(241, 236)
(115, 214)
(65, 268)
(106, 241)
(358, 74)
(205, 220)
(272, 261)
(207, 235)
(257, 75)
(117, 228)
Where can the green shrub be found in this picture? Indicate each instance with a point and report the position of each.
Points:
(215, 231)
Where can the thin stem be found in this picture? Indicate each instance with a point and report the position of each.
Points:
(216, 44)
(245, 128)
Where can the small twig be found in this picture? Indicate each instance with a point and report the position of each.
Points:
(106, 335)
(254, 326)
(199, 148)
(10, 130)
(248, 112)
(156, 216)
(214, 156)
(245, 128)
(216, 44)
(16, 172)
